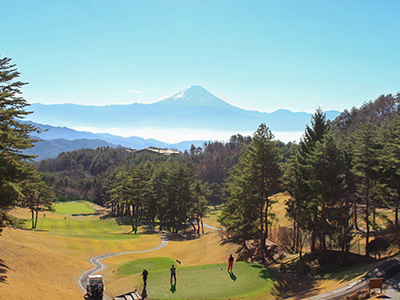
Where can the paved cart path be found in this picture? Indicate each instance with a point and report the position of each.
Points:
(98, 265)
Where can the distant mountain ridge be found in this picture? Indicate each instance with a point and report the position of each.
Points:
(52, 148)
(192, 108)
(55, 140)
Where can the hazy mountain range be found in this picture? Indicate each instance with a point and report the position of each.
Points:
(55, 140)
(193, 109)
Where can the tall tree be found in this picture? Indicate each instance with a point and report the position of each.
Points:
(199, 206)
(303, 207)
(328, 186)
(253, 180)
(14, 137)
(121, 193)
(366, 145)
(38, 195)
(390, 161)
(180, 199)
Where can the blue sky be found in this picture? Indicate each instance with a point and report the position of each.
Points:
(257, 55)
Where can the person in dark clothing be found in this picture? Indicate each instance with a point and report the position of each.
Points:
(173, 273)
(144, 274)
(230, 263)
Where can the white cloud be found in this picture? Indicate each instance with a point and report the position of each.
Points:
(136, 92)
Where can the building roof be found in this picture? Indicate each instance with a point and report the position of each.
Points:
(158, 151)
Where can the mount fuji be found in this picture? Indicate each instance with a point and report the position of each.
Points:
(192, 109)
(196, 96)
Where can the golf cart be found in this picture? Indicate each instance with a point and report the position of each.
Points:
(95, 287)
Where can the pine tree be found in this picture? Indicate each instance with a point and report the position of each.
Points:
(38, 195)
(252, 181)
(366, 147)
(14, 137)
(303, 207)
(329, 192)
(390, 161)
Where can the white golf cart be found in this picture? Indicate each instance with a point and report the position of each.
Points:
(95, 287)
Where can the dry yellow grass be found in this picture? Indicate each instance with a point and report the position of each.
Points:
(279, 209)
(37, 271)
(45, 266)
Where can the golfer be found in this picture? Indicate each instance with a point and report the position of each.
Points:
(173, 273)
(144, 274)
(230, 263)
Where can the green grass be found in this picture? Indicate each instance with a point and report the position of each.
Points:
(91, 229)
(73, 208)
(137, 266)
(204, 282)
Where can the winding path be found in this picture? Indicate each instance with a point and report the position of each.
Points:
(98, 265)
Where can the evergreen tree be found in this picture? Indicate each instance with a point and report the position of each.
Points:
(303, 207)
(390, 161)
(199, 207)
(327, 161)
(253, 180)
(121, 193)
(37, 195)
(14, 137)
(366, 147)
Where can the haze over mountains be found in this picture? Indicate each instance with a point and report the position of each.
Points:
(194, 110)
(55, 140)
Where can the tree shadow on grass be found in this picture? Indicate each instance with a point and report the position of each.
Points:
(131, 233)
(86, 214)
(3, 270)
(290, 284)
(181, 237)
(264, 273)
(294, 285)
(226, 241)
(37, 230)
(123, 221)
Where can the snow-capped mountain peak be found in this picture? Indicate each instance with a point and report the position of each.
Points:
(195, 96)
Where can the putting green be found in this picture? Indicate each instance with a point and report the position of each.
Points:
(73, 208)
(202, 282)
